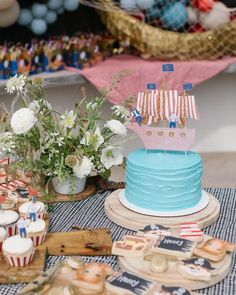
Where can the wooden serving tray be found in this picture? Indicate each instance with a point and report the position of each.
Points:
(12, 275)
(74, 243)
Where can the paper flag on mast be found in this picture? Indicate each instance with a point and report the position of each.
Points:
(151, 86)
(167, 68)
(187, 86)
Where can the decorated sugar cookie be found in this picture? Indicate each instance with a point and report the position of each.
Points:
(214, 249)
(126, 283)
(169, 245)
(196, 269)
(131, 246)
(191, 231)
(154, 231)
(91, 277)
(172, 291)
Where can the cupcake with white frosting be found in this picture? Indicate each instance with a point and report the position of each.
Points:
(3, 236)
(8, 220)
(37, 231)
(32, 209)
(18, 251)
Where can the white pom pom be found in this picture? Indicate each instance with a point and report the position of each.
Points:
(145, 4)
(128, 4)
(192, 16)
(219, 15)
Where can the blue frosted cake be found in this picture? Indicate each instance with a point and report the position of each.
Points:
(163, 181)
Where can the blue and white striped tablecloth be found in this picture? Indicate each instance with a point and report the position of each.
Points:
(90, 213)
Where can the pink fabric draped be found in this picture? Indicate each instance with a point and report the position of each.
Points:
(149, 71)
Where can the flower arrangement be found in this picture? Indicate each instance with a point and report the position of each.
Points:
(76, 143)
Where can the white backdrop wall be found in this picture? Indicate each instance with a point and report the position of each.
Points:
(216, 99)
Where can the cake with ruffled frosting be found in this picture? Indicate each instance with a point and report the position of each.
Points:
(163, 181)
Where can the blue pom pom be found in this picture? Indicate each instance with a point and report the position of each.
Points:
(54, 4)
(25, 17)
(39, 10)
(129, 5)
(152, 14)
(175, 16)
(145, 4)
(51, 17)
(71, 5)
(39, 26)
(60, 10)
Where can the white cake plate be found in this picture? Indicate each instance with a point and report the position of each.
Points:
(132, 220)
(201, 205)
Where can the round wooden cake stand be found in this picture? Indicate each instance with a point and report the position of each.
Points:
(171, 277)
(129, 219)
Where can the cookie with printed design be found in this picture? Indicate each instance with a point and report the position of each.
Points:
(214, 249)
(170, 245)
(163, 290)
(130, 246)
(196, 269)
(154, 231)
(129, 284)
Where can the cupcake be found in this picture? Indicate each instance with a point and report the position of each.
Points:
(18, 251)
(8, 220)
(3, 236)
(37, 231)
(33, 210)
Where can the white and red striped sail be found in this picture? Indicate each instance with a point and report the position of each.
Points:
(160, 104)
(187, 108)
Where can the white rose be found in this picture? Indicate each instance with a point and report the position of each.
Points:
(116, 127)
(84, 168)
(111, 156)
(23, 120)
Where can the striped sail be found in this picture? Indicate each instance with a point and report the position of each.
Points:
(187, 108)
(160, 104)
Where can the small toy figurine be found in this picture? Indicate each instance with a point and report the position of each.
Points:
(32, 209)
(154, 231)
(172, 291)
(196, 269)
(136, 115)
(21, 224)
(214, 249)
(173, 120)
(91, 277)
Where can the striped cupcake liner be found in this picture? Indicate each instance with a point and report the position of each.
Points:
(38, 240)
(11, 229)
(20, 261)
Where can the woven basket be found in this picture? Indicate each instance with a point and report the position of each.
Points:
(162, 44)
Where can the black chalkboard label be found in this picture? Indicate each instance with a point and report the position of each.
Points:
(174, 244)
(23, 192)
(131, 283)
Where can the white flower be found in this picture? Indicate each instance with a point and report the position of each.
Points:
(34, 106)
(15, 84)
(116, 127)
(121, 111)
(91, 106)
(83, 168)
(23, 120)
(95, 139)
(68, 120)
(111, 156)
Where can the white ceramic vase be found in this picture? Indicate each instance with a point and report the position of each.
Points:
(70, 186)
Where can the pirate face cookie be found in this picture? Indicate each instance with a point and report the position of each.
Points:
(196, 269)
(172, 291)
(154, 231)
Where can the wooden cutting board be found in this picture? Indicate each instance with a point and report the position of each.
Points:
(12, 275)
(74, 243)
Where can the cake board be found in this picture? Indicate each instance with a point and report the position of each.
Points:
(132, 220)
(171, 277)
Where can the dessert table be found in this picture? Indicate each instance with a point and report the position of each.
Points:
(90, 213)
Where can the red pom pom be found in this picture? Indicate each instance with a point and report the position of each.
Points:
(196, 29)
(203, 5)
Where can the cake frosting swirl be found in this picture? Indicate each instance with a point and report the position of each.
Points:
(163, 181)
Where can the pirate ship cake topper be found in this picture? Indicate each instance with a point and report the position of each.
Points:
(155, 107)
